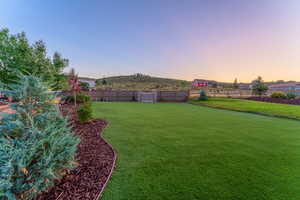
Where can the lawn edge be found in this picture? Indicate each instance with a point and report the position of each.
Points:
(244, 111)
(99, 196)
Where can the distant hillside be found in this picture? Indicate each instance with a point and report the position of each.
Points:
(142, 82)
(146, 82)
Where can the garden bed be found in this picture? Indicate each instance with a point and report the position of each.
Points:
(276, 100)
(95, 158)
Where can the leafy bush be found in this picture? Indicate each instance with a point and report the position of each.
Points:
(36, 142)
(84, 86)
(85, 112)
(203, 96)
(291, 95)
(278, 95)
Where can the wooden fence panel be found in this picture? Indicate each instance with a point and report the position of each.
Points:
(104, 95)
(173, 96)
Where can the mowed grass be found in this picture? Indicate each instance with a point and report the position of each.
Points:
(170, 151)
(272, 109)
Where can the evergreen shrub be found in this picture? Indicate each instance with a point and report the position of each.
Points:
(291, 95)
(203, 96)
(85, 112)
(37, 145)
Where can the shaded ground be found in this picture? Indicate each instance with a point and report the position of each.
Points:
(169, 151)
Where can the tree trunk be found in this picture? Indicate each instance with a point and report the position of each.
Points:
(75, 101)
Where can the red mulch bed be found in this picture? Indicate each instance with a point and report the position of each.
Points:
(276, 100)
(95, 161)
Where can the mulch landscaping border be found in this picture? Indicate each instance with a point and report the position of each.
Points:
(96, 160)
(111, 171)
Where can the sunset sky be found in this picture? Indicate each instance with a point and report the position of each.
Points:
(184, 39)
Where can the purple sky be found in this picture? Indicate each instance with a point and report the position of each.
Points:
(186, 39)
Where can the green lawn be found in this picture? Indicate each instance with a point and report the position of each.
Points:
(173, 151)
(272, 109)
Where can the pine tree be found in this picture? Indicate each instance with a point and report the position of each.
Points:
(235, 84)
(104, 82)
(203, 96)
(259, 87)
(37, 145)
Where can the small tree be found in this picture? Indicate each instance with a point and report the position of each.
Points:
(235, 84)
(59, 81)
(19, 56)
(104, 82)
(36, 142)
(258, 87)
(74, 84)
(203, 96)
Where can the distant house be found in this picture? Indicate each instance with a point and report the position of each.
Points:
(200, 83)
(285, 87)
(90, 81)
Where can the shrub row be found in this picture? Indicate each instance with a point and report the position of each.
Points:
(281, 95)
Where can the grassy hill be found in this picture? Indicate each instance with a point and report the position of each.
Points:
(145, 82)
(142, 82)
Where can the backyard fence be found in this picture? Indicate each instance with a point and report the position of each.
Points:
(115, 95)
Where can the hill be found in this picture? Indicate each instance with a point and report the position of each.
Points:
(142, 82)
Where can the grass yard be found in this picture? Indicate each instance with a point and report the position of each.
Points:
(173, 151)
(272, 109)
